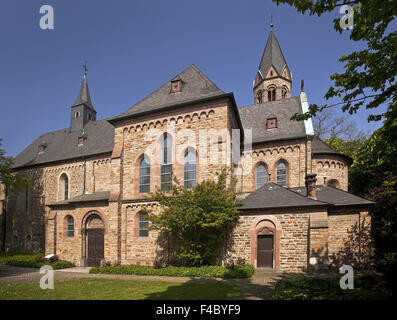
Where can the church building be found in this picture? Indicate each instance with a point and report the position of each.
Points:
(91, 181)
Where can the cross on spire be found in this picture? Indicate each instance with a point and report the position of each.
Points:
(85, 67)
(271, 21)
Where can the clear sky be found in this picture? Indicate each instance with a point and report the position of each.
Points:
(133, 47)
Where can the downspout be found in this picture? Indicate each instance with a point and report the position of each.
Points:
(84, 176)
(306, 156)
(5, 218)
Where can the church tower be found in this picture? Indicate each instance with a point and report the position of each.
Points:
(82, 110)
(273, 79)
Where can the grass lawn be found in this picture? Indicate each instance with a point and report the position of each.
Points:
(368, 287)
(111, 289)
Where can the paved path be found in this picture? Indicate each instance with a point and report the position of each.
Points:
(256, 288)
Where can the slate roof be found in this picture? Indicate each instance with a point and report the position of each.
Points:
(88, 197)
(195, 86)
(254, 117)
(334, 196)
(272, 55)
(84, 95)
(63, 144)
(271, 195)
(319, 147)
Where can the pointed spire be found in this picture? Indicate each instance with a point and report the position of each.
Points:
(272, 55)
(84, 93)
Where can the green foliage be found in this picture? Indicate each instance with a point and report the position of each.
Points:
(384, 233)
(367, 287)
(196, 220)
(376, 163)
(245, 271)
(350, 148)
(28, 260)
(369, 77)
(13, 182)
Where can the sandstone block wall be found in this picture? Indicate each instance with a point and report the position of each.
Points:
(342, 225)
(292, 152)
(332, 167)
(293, 242)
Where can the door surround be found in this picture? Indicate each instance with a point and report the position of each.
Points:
(92, 220)
(266, 224)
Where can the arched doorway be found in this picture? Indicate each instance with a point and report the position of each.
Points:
(265, 249)
(265, 242)
(93, 242)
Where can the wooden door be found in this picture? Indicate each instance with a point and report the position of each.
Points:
(265, 251)
(95, 246)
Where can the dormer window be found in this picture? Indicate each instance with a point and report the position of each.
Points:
(41, 148)
(80, 141)
(176, 86)
(271, 123)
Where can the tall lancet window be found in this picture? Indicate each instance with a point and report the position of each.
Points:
(64, 186)
(271, 94)
(282, 174)
(166, 162)
(190, 169)
(144, 175)
(259, 96)
(260, 175)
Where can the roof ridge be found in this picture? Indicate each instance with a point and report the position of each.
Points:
(288, 189)
(270, 102)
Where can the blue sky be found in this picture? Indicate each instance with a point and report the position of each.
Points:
(133, 47)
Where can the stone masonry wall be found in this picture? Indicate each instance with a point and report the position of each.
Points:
(203, 127)
(270, 154)
(26, 211)
(293, 243)
(70, 248)
(332, 167)
(341, 225)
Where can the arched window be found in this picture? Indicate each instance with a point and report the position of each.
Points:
(166, 162)
(144, 175)
(282, 174)
(259, 96)
(271, 94)
(284, 93)
(260, 175)
(143, 226)
(64, 186)
(333, 183)
(190, 169)
(70, 227)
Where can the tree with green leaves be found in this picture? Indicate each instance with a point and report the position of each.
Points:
(197, 220)
(369, 77)
(12, 181)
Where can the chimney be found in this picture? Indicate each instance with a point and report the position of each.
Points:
(311, 185)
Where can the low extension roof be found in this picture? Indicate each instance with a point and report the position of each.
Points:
(63, 144)
(334, 196)
(88, 197)
(272, 195)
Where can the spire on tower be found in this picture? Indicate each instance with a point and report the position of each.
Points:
(84, 94)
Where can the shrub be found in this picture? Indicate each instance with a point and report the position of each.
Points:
(316, 288)
(29, 260)
(171, 271)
